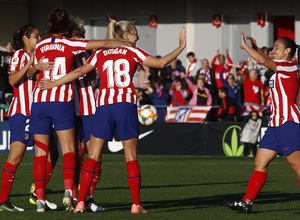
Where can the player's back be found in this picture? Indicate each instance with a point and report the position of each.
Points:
(116, 68)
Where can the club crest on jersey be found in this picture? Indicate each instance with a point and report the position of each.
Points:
(271, 84)
(15, 61)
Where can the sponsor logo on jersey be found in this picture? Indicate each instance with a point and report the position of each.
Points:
(15, 61)
(271, 84)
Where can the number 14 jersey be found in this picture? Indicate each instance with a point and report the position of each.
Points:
(62, 52)
(116, 68)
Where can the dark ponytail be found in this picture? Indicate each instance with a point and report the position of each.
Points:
(289, 43)
(18, 35)
(59, 23)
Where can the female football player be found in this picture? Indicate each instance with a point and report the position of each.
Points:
(283, 133)
(85, 107)
(54, 108)
(116, 103)
(21, 77)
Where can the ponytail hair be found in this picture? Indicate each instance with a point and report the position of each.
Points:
(116, 30)
(59, 23)
(19, 34)
(77, 28)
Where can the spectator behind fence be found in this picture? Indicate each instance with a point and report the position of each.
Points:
(194, 65)
(250, 133)
(141, 77)
(210, 77)
(174, 69)
(142, 98)
(228, 107)
(218, 67)
(201, 95)
(233, 90)
(253, 90)
(158, 95)
(179, 95)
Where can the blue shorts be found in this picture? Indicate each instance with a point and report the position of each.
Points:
(48, 115)
(83, 127)
(19, 129)
(284, 139)
(122, 116)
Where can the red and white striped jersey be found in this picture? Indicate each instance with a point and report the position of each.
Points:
(22, 97)
(61, 51)
(84, 97)
(283, 91)
(116, 68)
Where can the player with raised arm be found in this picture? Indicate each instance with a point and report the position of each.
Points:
(283, 133)
(116, 103)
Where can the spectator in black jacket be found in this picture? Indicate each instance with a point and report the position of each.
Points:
(228, 106)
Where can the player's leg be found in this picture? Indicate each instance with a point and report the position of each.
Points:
(16, 153)
(294, 162)
(67, 143)
(50, 164)
(80, 145)
(90, 203)
(78, 165)
(128, 129)
(20, 138)
(256, 182)
(39, 168)
(88, 169)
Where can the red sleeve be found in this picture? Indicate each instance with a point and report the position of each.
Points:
(213, 63)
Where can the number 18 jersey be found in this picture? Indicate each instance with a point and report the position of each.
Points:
(116, 68)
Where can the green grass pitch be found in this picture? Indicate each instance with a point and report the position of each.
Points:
(173, 187)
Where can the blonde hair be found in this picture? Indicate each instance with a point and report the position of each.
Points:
(116, 30)
(77, 27)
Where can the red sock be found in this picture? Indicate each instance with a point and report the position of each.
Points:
(49, 171)
(256, 182)
(7, 179)
(96, 178)
(87, 174)
(39, 176)
(134, 180)
(76, 176)
(68, 168)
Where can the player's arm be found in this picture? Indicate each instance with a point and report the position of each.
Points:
(255, 54)
(163, 61)
(95, 44)
(75, 74)
(15, 76)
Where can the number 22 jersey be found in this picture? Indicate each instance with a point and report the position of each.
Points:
(116, 68)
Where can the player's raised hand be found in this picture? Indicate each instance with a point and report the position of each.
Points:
(243, 40)
(252, 41)
(182, 38)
